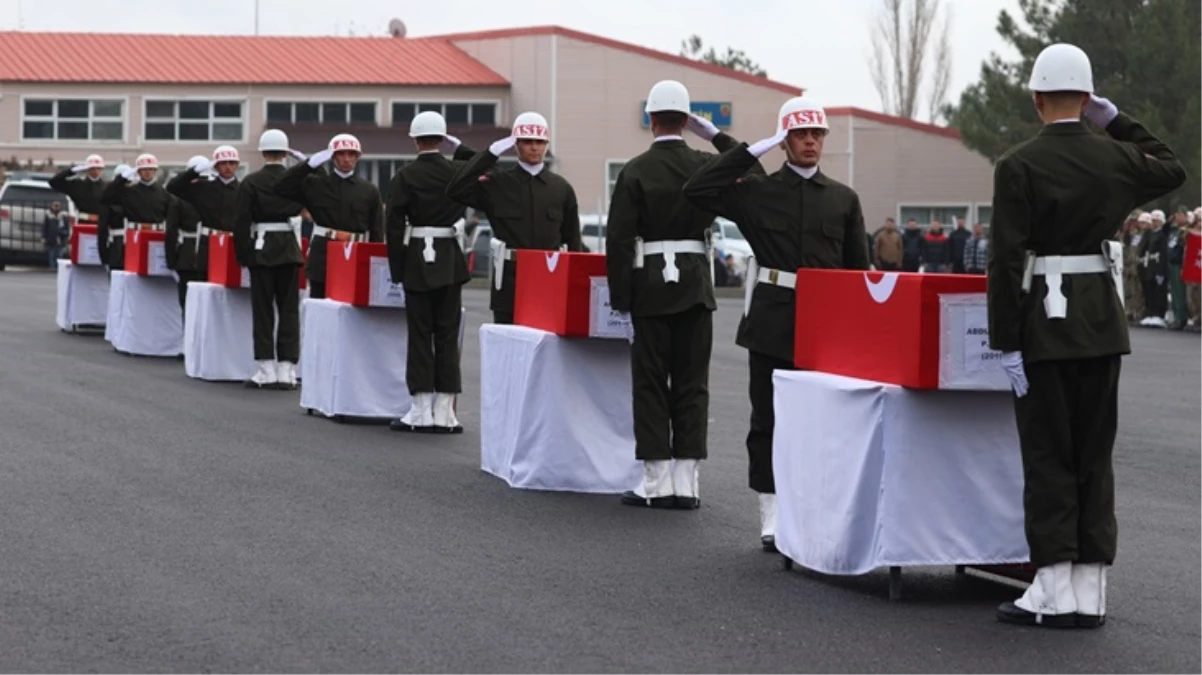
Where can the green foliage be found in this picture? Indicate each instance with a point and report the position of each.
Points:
(735, 59)
(1146, 59)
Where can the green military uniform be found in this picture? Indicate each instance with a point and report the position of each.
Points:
(110, 235)
(84, 192)
(135, 202)
(274, 259)
(1154, 270)
(1060, 194)
(182, 246)
(1133, 289)
(790, 222)
(1176, 254)
(349, 205)
(526, 212)
(216, 201)
(670, 307)
(433, 280)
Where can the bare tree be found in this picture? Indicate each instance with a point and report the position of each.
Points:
(899, 64)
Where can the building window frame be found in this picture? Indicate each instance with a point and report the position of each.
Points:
(322, 101)
(931, 206)
(210, 120)
(611, 178)
(498, 115)
(988, 206)
(54, 118)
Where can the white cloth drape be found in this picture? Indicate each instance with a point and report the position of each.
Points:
(83, 295)
(144, 316)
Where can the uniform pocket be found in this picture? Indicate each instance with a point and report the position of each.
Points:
(832, 229)
(555, 215)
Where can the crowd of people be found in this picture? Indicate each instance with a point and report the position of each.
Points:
(1153, 262)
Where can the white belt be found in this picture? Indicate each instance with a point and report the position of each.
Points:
(498, 253)
(116, 234)
(429, 234)
(260, 230)
(767, 275)
(669, 250)
(132, 225)
(331, 233)
(194, 235)
(87, 217)
(1055, 267)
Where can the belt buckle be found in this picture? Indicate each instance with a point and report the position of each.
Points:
(773, 276)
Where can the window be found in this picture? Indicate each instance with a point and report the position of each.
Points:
(456, 114)
(194, 121)
(984, 213)
(945, 214)
(334, 112)
(73, 119)
(612, 169)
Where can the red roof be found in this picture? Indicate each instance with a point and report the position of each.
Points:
(893, 120)
(624, 46)
(241, 59)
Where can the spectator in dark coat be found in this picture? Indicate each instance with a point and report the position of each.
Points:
(958, 238)
(55, 232)
(936, 249)
(911, 246)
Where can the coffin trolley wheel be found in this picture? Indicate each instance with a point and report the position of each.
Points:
(895, 583)
(786, 562)
(309, 411)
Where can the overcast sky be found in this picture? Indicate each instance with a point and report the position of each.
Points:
(820, 45)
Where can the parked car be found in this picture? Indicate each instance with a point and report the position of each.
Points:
(729, 241)
(592, 232)
(23, 207)
(478, 253)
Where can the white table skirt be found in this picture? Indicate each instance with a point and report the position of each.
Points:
(83, 295)
(872, 475)
(353, 359)
(219, 333)
(143, 315)
(556, 413)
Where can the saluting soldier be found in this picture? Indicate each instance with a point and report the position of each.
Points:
(660, 270)
(1133, 288)
(344, 206)
(184, 245)
(214, 198)
(110, 234)
(426, 229)
(797, 217)
(1057, 317)
(142, 201)
(267, 241)
(1154, 270)
(528, 206)
(85, 190)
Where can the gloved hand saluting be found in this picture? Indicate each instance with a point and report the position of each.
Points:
(204, 166)
(451, 143)
(502, 146)
(129, 173)
(702, 127)
(1012, 362)
(320, 158)
(78, 168)
(298, 155)
(1100, 111)
(761, 147)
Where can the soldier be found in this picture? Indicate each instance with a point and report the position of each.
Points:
(214, 198)
(661, 272)
(143, 203)
(1133, 290)
(110, 237)
(528, 206)
(425, 253)
(84, 191)
(1154, 271)
(797, 217)
(1057, 317)
(267, 241)
(185, 247)
(344, 206)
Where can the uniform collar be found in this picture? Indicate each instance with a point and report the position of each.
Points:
(533, 170)
(227, 182)
(668, 137)
(1064, 128)
(344, 176)
(427, 153)
(793, 178)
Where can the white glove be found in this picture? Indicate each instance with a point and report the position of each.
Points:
(451, 143)
(320, 158)
(760, 147)
(702, 127)
(130, 174)
(205, 166)
(300, 156)
(78, 168)
(1100, 111)
(1013, 363)
(1159, 280)
(502, 146)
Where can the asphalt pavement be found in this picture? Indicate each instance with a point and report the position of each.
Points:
(154, 523)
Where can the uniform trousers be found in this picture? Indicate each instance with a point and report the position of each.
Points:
(275, 289)
(186, 277)
(317, 289)
(670, 364)
(763, 420)
(1066, 429)
(1156, 296)
(432, 364)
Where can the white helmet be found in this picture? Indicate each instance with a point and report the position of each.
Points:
(1157, 215)
(1145, 217)
(196, 161)
(225, 153)
(428, 123)
(273, 140)
(1062, 67)
(531, 125)
(668, 95)
(802, 113)
(94, 162)
(146, 161)
(345, 142)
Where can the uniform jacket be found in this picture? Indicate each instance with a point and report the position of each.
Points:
(526, 212)
(790, 222)
(192, 253)
(647, 202)
(418, 198)
(349, 204)
(84, 192)
(1063, 193)
(258, 203)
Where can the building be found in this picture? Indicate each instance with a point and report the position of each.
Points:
(176, 101)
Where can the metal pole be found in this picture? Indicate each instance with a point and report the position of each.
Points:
(256, 17)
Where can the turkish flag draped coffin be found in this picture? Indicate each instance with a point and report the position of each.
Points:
(145, 253)
(922, 331)
(554, 290)
(85, 247)
(224, 269)
(357, 273)
(1191, 269)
